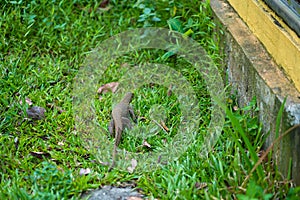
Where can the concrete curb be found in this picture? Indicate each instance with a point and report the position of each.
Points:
(252, 72)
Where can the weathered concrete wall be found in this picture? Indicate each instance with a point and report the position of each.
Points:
(252, 72)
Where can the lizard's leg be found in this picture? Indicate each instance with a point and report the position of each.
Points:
(126, 123)
(131, 113)
(111, 127)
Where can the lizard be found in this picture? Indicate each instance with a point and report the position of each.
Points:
(121, 114)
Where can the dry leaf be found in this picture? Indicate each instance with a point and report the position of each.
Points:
(164, 126)
(146, 144)
(133, 166)
(200, 185)
(61, 143)
(104, 163)
(108, 87)
(84, 171)
(27, 100)
(142, 118)
(36, 113)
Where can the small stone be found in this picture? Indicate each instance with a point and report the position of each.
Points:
(111, 193)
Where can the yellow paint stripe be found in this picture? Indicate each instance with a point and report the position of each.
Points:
(282, 43)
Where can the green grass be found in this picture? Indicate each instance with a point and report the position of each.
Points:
(42, 47)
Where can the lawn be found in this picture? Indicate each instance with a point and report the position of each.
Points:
(44, 45)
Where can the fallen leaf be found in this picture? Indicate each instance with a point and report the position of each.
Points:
(84, 171)
(61, 143)
(104, 163)
(164, 126)
(36, 112)
(142, 118)
(146, 144)
(200, 185)
(108, 87)
(133, 166)
(27, 100)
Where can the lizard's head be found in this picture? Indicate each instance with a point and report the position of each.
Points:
(128, 97)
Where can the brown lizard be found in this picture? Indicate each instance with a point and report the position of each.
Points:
(121, 114)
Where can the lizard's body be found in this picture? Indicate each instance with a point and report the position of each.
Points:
(121, 114)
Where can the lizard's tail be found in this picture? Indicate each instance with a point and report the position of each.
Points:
(113, 159)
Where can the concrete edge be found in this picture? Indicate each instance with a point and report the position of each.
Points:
(252, 72)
